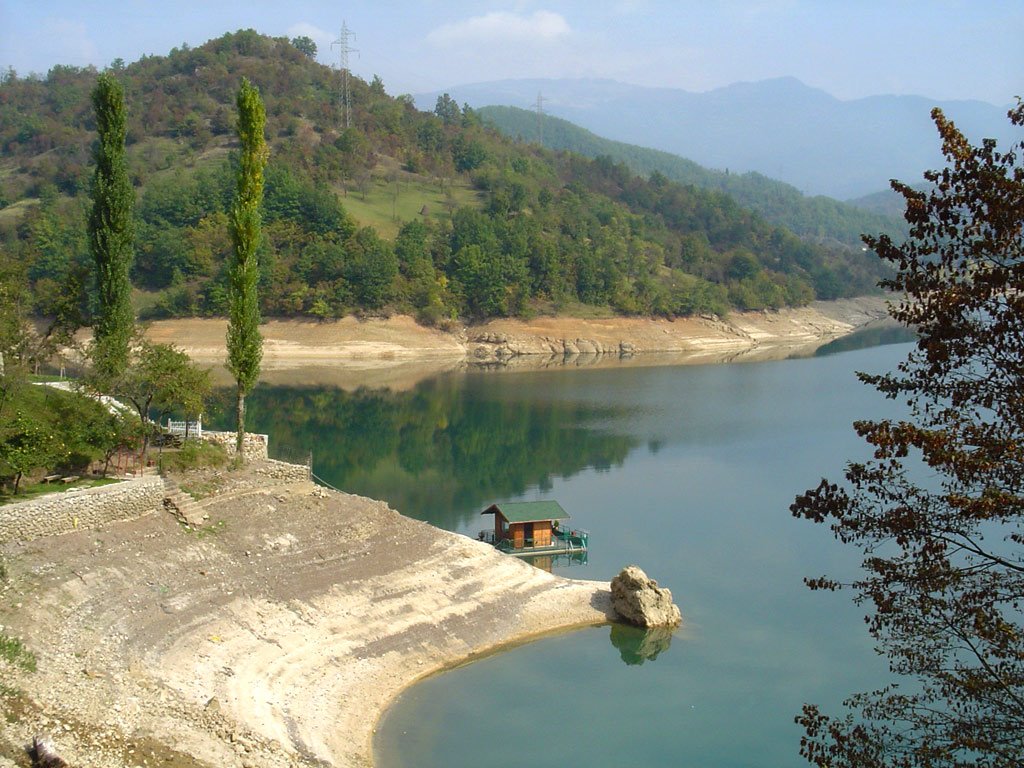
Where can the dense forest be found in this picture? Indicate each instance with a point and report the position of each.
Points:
(432, 213)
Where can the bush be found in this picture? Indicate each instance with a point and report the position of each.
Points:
(194, 454)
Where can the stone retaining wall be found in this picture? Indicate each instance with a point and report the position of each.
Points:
(87, 508)
(283, 472)
(254, 446)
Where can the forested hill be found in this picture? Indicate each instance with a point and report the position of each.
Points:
(819, 217)
(428, 212)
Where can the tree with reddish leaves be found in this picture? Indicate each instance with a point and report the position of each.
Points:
(938, 511)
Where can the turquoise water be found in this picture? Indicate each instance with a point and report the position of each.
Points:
(687, 471)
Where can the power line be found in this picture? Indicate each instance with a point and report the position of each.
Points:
(345, 49)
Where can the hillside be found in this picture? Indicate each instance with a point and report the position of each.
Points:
(431, 213)
(780, 127)
(781, 204)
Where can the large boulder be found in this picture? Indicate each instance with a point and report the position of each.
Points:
(638, 600)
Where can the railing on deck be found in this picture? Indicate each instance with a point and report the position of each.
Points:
(190, 428)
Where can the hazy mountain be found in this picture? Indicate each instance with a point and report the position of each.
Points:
(431, 213)
(820, 218)
(780, 128)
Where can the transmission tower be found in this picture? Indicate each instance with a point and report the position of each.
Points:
(345, 49)
(539, 107)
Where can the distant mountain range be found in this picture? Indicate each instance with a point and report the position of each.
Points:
(817, 218)
(780, 128)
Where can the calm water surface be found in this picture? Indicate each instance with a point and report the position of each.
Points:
(689, 472)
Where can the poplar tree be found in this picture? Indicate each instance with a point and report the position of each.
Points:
(244, 343)
(111, 231)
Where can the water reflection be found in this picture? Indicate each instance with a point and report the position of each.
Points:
(637, 645)
(442, 450)
(559, 559)
(876, 336)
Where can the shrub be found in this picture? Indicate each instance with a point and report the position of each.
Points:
(194, 454)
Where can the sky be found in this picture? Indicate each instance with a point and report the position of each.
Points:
(942, 49)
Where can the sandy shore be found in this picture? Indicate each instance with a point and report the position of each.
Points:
(276, 637)
(397, 353)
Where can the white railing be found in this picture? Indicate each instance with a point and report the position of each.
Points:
(191, 428)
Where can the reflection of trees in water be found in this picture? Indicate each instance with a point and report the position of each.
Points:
(440, 451)
(637, 645)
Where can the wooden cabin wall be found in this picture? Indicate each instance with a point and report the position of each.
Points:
(542, 534)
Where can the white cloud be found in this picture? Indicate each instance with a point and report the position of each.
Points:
(503, 27)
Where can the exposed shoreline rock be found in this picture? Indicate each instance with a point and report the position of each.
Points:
(638, 600)
(395, 349)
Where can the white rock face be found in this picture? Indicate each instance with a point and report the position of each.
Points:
(639, 600)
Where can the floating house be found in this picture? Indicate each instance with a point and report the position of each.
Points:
(531, 528)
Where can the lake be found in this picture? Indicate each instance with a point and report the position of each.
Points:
(687, 471)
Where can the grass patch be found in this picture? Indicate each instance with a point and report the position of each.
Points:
(34, 490)
(144, 302)
(193, 455)
(41, 378)
(13, 212)
(201, 489)
(575, 309)
(206, 531)
(379, 208)
(14, 652)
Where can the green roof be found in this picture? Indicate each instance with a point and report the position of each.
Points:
(528, 511)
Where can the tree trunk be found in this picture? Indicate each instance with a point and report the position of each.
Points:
(240, 435)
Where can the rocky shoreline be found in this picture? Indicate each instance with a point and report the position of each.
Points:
(396, 352)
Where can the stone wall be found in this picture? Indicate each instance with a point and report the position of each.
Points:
(254, 446)
(282, 471)
(87, 508)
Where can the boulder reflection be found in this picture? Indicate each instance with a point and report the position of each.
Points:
(637, 645)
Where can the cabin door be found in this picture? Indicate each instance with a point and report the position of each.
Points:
(528, 534)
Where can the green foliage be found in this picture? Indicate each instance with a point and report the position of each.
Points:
(447, 109)
(370, 269)
(553, 229)
(468, 154)
(14, 298)
(305, 45)
(161, 380)
(478, 275)
(42, 428)
(111, 229)
(14, 652)
(817, 218)
(29, 442)
(245, 345)
(193, 455)
(449, 446)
